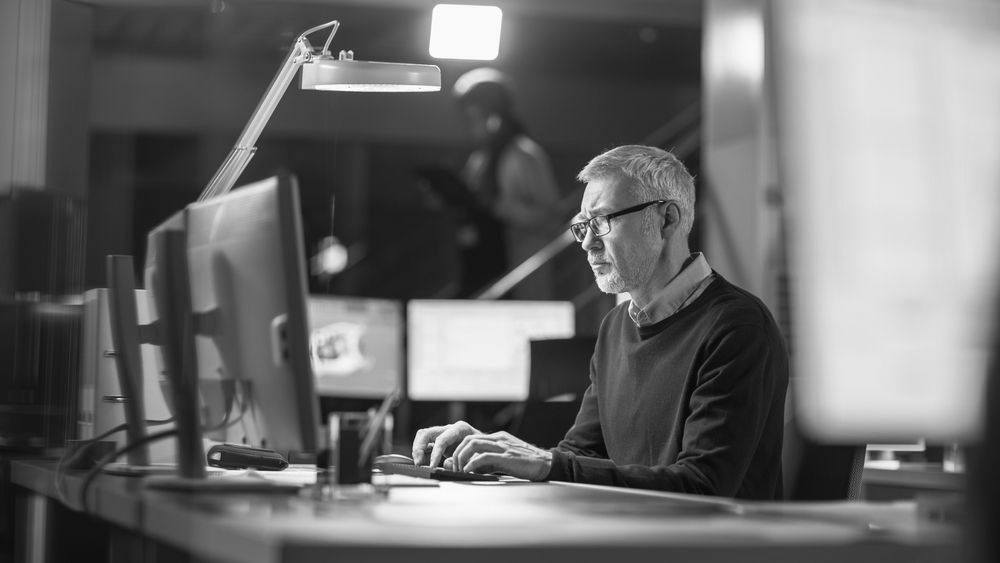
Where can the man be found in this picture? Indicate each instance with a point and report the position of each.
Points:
(688, 378)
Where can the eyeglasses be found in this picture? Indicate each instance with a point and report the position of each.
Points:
(600, 225)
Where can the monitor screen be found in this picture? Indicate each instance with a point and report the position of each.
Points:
(248, 292)
(356, 345)
(471, 350)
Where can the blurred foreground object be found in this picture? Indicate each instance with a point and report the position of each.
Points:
(888, 128)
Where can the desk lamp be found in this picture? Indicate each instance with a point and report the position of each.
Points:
(320, 71)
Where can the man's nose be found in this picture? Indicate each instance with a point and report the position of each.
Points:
(590, 240)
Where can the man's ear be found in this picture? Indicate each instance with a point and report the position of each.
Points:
(671, 219)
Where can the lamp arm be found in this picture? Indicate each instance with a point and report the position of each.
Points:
(225, 177)
(234, 164)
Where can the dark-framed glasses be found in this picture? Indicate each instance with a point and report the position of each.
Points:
(600, 225)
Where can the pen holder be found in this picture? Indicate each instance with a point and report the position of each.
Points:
(345, 437)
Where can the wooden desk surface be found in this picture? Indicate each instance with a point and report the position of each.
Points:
(510, 522)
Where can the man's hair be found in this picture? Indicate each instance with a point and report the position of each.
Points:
(654, 173)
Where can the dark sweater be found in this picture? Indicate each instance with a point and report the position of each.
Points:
(691, 404)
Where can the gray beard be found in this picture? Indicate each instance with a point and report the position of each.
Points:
(611, 283)
(615, 283)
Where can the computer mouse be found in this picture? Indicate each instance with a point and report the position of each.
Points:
(393, 458)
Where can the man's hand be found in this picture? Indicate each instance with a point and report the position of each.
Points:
(501, 452)
(440, 440)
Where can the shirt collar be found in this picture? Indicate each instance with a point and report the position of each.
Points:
(685, 287)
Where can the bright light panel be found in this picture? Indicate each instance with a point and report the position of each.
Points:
(465, 32)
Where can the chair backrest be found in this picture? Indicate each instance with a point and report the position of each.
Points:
(560, 368)
(825, 472)
(815, 471)
(560, 373)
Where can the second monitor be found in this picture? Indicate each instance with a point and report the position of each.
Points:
(356, 345)
(471, 350)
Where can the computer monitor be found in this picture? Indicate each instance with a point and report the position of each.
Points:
(356, 345)
(888, 133)
(225, 279)
(472, 350)
(246, 265)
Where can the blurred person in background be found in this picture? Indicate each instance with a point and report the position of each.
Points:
(509, 173)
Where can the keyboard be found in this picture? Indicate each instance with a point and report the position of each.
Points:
(438, 473)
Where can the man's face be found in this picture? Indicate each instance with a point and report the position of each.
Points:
(624, 259)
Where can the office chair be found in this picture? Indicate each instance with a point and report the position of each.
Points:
(559, 375)
(815, 471)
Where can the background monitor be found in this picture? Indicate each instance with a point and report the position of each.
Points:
(356, 346)
(471, 350)
(248, 292)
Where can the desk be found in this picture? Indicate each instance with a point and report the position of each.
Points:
(510, 522)
(908, 481)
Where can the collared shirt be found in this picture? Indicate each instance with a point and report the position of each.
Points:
(686, 286)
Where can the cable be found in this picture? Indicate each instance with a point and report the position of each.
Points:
(96, 470)
(70, 457)
(104, 461)
(99, 466)
(225, 423)
(242, 409)
(121, 427)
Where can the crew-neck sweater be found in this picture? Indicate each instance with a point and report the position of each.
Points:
(691, 404)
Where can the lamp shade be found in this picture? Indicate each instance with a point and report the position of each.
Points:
(320, 71)
(344, 74)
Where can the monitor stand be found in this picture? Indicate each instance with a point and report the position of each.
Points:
(133, 470)
(164, 477)
(219, 483)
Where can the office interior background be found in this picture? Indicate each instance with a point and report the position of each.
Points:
(167, 89)
(144, 100)
(118, 112)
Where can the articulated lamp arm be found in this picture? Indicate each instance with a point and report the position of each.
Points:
(231, 169)
(322, 72)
